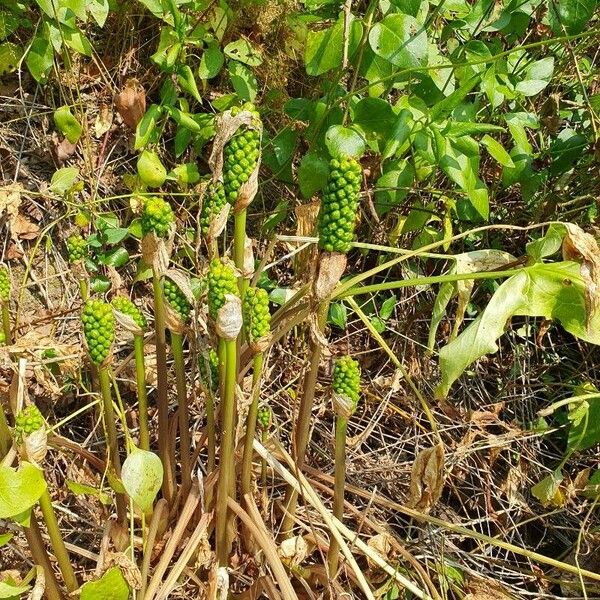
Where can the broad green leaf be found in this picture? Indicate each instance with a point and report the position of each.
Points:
(67, 124)
(393, 186)
(185, 78)
(186, 174)
(211, 63)
(592, 489)
(10, 55)
(387, 308)
(20, 489)
(243, 81)
(573, 15)
(497, 151)
(50, 7)
(444, 107)
(40, 58)
(63, 180)
(147, 126)
(458, 129)
(344, 141)
(117, 257)
(312, 173)
(338, 314)
(400, 40)
(398, 134)
(5, 538)
(324, 48)
(584, 416)
(374, 116)
(547, 245)
(552, 291)
(12, 591)
(547, 491)
(111, 586)
(566, 150)
(142, 476)
(243, 51)
(76, 39)
(115, 235)
(99, 11)
(99, 284)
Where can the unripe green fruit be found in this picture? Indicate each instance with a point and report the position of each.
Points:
(127, 307)
(257, 318)
(28, 421)
(2, 337)
(221, 281)
(339, 205)
(176, 299)
(208, 365)
(76, 248)
(99, 329)
(150, 169)
(5, 284)
(214, 201)
(157, 217)
(263, 417)
(346, 379)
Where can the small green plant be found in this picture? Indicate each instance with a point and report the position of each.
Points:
(5, 289)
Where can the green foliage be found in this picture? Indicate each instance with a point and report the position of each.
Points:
(30, 419)
(111, 586)
(124, 305)
(213, 202)
(98, 328)
(20, 489)
(339, 206)
(5, 284)
(157, 217)
(346, 379)
(176, 299)
(67, 124)
(221, 281)
(257, 318)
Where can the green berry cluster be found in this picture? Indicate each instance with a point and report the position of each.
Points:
(221, 281)
(208, 365)
(29, 420)
(176, 299)
(98, 328)
(257, 318)
(4, 284)
(263, 417)
(346, 379)
(339, 205)
(76, 248)
(240, 156)
(2, 337)
(127, 307)
(214, 201)
(157, 217)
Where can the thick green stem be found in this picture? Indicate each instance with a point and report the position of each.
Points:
(40, 557)
(210, 430)
(264, 437)
(168, 487)
(226, 462)
(5, 437)
(83, 289)
(58, 545)
(341, 426)
(111, 433)
(6, 323)
(251, 425)
(184, 417)
(140, 378)
(302, 429)
(239, 246)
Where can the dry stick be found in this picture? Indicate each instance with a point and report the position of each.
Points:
(140, 380)
(40, 557)
(168, 487)
(183, 413)
(302, 430)
(157, 516)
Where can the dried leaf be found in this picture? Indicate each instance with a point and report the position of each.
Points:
(131, 103)
(427, 478)
(306, 221)
(10, 200)
(330, 270)
(23, 228)
(486, 589)
(103, 121)
(382, 544)
(62, 148)
(229, 318)
(293, 551)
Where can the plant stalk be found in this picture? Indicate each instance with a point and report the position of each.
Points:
(40, 557)
(140, 377)
(168, 487)
(58, 545)
(184, 417)
(226, 462)
(251, 425)
(341, 427)
(6, 323)
(111, 433)
(302, 430)
(239, 246)
(5, 436)
(83, 289)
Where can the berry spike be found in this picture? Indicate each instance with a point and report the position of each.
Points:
(257, 318)
(76, 248)
(176, 299)
(124, 305)
(99, 329)
(157, 217)
(214, 201)
(222, 280)
(346, 380)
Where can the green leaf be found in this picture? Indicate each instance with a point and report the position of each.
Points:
(387, 308)
(81, 489)
(243, 81)
(115, 235)
(67, 124)
(186, 174)
(243, 51)
(99, 284)
(497, 151)
(117, 257)
(573, 15)
(338, 314)
(50, 7)
(592, 489)
(63, 180)
(147, 126)
(5, 538)
(75, 39)
(400, 40)
(111, 586)
(461, 128)
(12, 591)
(547, 489)
(19, 489)
(185, 78)
(312, 173)
(547, 245)
(444, 107)
(142, 476)
(40, 58)
(342, 141)
(211, 63)
(10, 55)
(324, 49)
(398, 134)
(99, 11)
(584, 416)
(393, 186)
(552, 291)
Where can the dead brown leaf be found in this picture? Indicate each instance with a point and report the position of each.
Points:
(62, 149)
(427, 478)
(131, 103)
(486, 589)
(330, 270)
(103, 120)
(22, 228)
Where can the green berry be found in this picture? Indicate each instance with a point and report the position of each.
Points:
(263, 417)
(5, 284)
(157, 217)
(2, 337)
(127, 307)
(208, 365)
(339, 205)
(28, 421)
(76, 248)
(214, 201)
(346, 379)
(176, 299)
(99, 329)
(257, 318)
(240, 156)
(221, 281)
